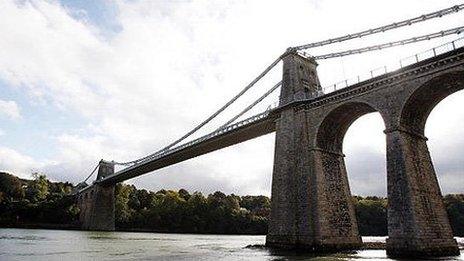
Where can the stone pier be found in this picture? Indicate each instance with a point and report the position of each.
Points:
(311, 206)
(418, 224)
(96, 203)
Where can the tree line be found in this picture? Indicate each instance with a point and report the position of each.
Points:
(41, 203)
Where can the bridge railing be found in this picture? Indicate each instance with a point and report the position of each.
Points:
(220, 131)
(441, 49)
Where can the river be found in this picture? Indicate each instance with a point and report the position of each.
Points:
(50, 245)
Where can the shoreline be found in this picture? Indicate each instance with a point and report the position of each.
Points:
(133, 230)
(377, 245)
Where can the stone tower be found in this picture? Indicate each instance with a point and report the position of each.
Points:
(311, 204)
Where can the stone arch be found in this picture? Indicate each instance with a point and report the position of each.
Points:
(339, 218)
(425, 98)
(415, 206)
(336, 123)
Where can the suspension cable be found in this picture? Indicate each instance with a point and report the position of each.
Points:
(252, 105)
(244, 90)
(93, 171)
(456, 30)
(418, 19)
(392, 26)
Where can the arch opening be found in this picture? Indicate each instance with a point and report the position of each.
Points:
(332, 130)
(363, 125)
(446, 147)
(435, 110)
(446, 143)
(364, 146)
(415, 197)
(423, 100)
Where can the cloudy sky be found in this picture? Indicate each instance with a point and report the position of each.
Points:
(82, 80)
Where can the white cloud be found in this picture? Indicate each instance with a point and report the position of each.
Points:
(15, 162)
(366, 157)
(9, 109)
(171, 65)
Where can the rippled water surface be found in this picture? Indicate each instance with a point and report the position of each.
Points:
(38, 244)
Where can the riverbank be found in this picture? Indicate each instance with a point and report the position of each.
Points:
(129, 230)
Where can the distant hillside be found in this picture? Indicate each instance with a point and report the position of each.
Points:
(41, 203)
(33, 202)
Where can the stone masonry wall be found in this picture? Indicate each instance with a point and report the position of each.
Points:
(96, 203)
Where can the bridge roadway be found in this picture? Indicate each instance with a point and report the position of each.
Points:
(248, 129)
(258, 125)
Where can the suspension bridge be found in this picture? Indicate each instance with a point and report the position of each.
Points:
(311, 206)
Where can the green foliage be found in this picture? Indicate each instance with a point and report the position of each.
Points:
(41, 201)
(37, 190)
(455, 208)
(258, 205)
(11, 187)
(35, 201)
(122, 197)
(371, 213)
(180, 211)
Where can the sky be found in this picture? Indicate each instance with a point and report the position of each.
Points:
(84, 80)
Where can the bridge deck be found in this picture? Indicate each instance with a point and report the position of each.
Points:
(242, 131)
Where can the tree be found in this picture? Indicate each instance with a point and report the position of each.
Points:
(259, 205)
(184, 194)
(371, 213)
(144, 198)
(37, 189)
(197, 211)
(11, 187)
(177, 211)
(455, 208)
(123, 212)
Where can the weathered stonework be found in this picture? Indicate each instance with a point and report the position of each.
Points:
(417, 221)
(311, 202)
(96, 203)
(310, 192)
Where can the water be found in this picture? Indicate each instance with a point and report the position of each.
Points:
(40, 244)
